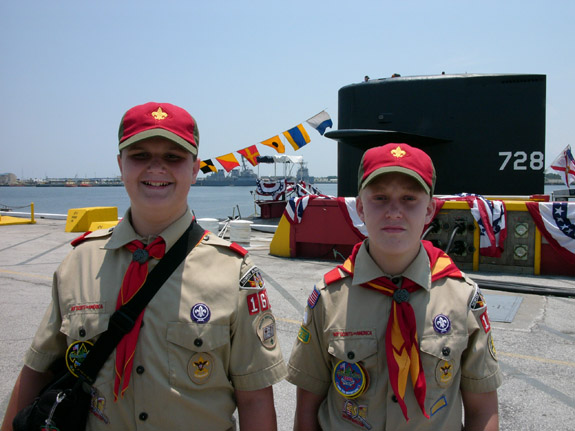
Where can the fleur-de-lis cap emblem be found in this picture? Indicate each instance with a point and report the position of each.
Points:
(398, 152)
(159, 114)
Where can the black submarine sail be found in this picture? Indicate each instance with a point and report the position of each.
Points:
(484, 132)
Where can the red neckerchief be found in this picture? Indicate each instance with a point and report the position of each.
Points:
(401, 345)
(133, 281)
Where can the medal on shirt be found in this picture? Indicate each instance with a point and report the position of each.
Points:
(75, 355)
(350, 380)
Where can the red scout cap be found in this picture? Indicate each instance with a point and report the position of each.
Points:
(159, 119)
(400, 158)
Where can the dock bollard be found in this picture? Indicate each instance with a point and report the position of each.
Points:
(240, 231)
(211, 224)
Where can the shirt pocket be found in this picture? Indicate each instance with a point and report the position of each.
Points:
(198, 355)
(441, 359)
(355, 347)
(84, 326)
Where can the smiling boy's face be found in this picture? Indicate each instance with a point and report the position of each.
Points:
(157, 175)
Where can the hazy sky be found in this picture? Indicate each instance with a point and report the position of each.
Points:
(248, 70)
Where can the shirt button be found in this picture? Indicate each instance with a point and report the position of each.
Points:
(446, 351)
(394, 398)
(396, 280)
(82, 332)
(143, 416)
(350, 355)
(140, 369)
(198, 342)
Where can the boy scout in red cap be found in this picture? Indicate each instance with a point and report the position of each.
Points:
(395, 338)
(201, 347)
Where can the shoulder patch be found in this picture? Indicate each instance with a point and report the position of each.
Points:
(333, 276)
(478, 300)
(238, 249)
(212, 239)
(101, 233)
(252, 279)
(313, 298)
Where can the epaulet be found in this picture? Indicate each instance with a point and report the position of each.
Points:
(213, 239)
(333, 276)
(100, 233)
(238, 249)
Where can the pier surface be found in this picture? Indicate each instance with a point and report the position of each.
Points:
(534, 333)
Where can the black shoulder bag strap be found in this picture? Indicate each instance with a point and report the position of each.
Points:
(124, 319)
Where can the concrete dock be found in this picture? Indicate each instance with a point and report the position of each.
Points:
(534, 332)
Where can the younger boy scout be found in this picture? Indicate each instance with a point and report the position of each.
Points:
(206, 342)
(395, 338)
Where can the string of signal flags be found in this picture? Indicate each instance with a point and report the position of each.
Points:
(297, 136)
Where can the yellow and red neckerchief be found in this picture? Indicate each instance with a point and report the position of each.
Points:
(401, 345)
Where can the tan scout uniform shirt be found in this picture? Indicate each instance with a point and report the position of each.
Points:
(184, 372)
(348, 323)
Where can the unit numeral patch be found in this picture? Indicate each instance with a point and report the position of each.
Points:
(258, 302)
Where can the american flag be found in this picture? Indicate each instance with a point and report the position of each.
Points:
(313, 297)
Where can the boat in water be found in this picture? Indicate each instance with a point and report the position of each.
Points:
(243, 177)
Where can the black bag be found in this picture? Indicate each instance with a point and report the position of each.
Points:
(63, 405)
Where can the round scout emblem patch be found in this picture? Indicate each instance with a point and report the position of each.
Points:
(444, 373)
(441, 324)
(200, 367)
(349, 379)
(201, 313)
(266, 330)
(75, 354)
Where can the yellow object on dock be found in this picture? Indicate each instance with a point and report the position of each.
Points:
(82, 219)
(280, 245)
(9, 220)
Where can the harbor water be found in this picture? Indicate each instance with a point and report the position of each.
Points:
(206, 202)
(213, 202)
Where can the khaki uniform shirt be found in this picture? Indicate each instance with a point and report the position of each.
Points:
(348, 323)
(187, 363)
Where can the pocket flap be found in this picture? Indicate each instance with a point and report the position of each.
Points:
(198, 337)
(444, 347)
(353, 348)
(84, 326)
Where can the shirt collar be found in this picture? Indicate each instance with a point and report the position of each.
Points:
(124, 232)
(366, 269)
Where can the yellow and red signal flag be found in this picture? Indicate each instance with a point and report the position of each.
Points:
(228, 161)
(250, 153)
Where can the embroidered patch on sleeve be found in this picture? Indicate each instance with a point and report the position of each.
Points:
(258, 302)
(252, 279)
(491, 346)
(478, 300)
(313, 298)
(485, 321)
(303, 335)
(266, 330)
